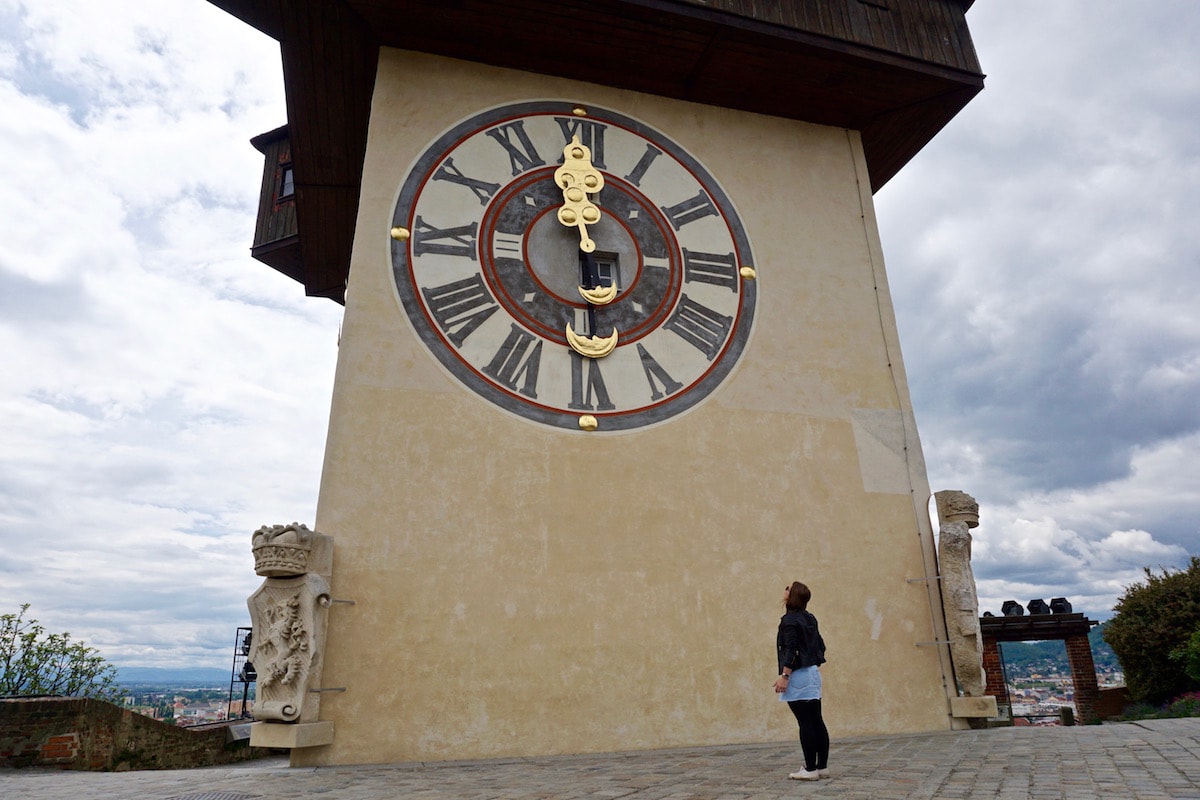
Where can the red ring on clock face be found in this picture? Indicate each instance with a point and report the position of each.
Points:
(488, 278)
(531, 261)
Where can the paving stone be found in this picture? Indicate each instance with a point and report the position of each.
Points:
(1155, 760)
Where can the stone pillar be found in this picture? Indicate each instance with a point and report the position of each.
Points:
(1083, 675)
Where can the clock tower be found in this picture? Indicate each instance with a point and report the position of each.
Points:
(618, 361)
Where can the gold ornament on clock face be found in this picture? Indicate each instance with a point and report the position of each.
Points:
(575, 267)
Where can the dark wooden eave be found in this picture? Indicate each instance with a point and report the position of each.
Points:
(1035, 627)
(895, 70)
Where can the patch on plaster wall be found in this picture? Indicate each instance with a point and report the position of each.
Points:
(876, 617)
(879, 438)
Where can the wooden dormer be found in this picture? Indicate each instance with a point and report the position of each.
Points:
(276, 235)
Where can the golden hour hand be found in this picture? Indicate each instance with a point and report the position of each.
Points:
(578, 178)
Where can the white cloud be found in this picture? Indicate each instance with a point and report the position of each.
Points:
(164, 395)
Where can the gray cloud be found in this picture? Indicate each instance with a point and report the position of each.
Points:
(1043, 258)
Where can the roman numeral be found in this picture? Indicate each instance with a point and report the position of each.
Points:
(643, 164)
(590, 133)
(699, 326)
(482, 189)
(594, 384)
(515, 360)
(522, 155)
(720, 270)
(458, 241)
(690, 210)
(460, 307)
(507, 245)
(654, 371)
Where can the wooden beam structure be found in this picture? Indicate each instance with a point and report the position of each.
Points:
(895, 70)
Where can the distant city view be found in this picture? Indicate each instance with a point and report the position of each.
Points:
(1038, 675)
(1039, 679)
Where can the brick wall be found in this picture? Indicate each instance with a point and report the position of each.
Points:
(994, 671)
(76, 733)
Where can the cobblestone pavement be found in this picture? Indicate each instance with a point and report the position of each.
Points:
(1150, 760)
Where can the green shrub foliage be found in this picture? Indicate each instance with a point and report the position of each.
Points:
(1154, 623)
(33, 662)
(1189, 656)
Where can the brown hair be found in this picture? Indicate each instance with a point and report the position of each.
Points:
(798, 597)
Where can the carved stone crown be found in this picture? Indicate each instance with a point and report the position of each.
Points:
(281, 550)
(956, 506)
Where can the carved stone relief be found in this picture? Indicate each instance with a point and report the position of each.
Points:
(288, 617)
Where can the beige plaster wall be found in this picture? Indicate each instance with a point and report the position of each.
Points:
(522, 590)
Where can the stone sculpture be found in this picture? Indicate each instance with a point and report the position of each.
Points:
(288, 616)
(958, 513)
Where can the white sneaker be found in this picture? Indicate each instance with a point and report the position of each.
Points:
(823, 773)
(805, 775)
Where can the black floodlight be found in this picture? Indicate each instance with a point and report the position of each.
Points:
(1060, 605)
(1012, 608)
(246, 643)
(1038, 606)
(249, 673)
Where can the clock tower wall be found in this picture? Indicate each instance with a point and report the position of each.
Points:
(527, 589)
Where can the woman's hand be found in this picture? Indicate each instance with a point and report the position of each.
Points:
(781, 684)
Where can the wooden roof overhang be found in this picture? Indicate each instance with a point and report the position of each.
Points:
(1035, 627)
(895, 70)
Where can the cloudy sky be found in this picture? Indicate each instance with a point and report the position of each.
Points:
(162, 394)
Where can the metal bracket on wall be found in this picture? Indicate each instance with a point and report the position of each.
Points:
(924, 580)
(930, 644)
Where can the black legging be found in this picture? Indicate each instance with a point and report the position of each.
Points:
(814, 738)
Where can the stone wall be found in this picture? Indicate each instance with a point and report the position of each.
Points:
(78, 733)
(1112, 702)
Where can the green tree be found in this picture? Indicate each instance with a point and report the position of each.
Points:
(1153, 620)
(34, 662)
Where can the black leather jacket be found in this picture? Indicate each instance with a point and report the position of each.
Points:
(798, 643)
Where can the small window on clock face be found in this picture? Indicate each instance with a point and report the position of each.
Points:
(608, 269)
(287, 182)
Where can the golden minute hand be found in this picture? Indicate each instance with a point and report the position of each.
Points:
(578, 178)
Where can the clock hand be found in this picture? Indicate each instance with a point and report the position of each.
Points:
(578, 178)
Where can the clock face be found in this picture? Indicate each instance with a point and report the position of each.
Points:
(490, 276)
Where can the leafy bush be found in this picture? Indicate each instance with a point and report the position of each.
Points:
(1187, 705)
(1154, 620)
(1189, 656)
(33, 662)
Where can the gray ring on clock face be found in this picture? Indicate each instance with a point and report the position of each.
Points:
(644, 299)
(568, 419)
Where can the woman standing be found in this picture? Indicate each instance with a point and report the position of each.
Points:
(801, 650)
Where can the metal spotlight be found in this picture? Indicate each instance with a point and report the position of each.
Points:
(1060, 605)
(1012, 608)
(1038, 606)
(246, 643)
(249, 673)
